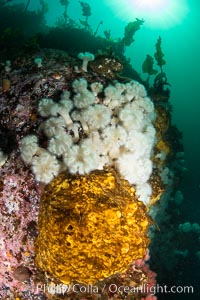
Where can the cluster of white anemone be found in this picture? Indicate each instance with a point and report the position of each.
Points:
(86, 133)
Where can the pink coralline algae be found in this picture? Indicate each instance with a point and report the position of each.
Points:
(19, 209)
(137, 283)
(150, 297)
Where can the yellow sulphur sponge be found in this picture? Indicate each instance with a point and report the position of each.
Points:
(90, 227)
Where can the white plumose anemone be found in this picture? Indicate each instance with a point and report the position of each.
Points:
(86, 58)
(79, 85)
(114, 137)
(83, 97)
(97, 116)
(79, 116)
(94, 142)
(96, 88)
(65, 96)
(139, 144)
(87, 131)
(81, 159)
(29, 147)
(63, 109)
(131, 119)
(147, 105)
(144, 191)
(83, 100)
(45, 167)
(53, 126)
(45, 107)
(60, 144)
(136, 171)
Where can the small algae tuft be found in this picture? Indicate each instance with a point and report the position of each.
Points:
(159, 55)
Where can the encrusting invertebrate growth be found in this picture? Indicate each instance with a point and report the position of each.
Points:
(90, 227)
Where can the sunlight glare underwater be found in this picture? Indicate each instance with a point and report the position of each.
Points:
(156, 13)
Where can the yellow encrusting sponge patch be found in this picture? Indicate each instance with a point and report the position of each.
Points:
(90, 227)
